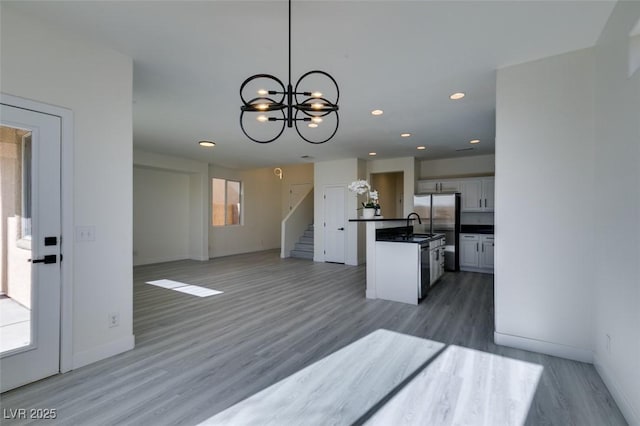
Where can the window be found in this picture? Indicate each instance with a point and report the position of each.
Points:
(226, 202)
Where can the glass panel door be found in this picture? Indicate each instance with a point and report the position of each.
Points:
(15, 240)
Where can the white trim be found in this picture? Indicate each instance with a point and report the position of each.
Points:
(99, 353)
(628, 411)
(66, 205)
(540, 346)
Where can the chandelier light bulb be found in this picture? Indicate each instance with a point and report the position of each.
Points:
(262, 118)
(262, 92)
(316, 105)
(313, 125)
(316, 120)
(262, 107)
(316, 94)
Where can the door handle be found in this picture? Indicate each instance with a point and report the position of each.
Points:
(340, 229)
(47, 260)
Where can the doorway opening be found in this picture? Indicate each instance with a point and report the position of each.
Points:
(390, 187)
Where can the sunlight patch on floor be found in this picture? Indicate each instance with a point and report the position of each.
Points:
(193, 290)
(388, 378)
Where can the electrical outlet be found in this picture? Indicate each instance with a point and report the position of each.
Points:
(608, 343)
(114, 320)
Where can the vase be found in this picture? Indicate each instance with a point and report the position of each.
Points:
(368, 213)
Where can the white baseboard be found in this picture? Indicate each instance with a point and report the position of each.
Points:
(533, 345)
(628, 411)
(154, 260)
(105, 351)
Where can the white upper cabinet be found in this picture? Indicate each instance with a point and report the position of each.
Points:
(488, 197)
(471, 198)
(437, 185)
(478, 195)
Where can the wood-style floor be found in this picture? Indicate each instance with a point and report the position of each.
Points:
(195, 357)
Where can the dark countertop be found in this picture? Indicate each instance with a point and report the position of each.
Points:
(477, 229)
(378, 220)
(405, 235)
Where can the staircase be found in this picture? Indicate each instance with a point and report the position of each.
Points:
(304, 246)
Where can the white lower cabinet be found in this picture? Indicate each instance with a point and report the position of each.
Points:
(486, 251)
(469, 256)
(476, 252)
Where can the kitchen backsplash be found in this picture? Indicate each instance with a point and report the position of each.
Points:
(469, 218)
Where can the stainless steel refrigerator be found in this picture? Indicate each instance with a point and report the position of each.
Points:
(440, 214)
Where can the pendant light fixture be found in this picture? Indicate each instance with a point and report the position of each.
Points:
(311, 106)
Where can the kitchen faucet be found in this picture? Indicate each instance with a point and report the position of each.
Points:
(409, 218)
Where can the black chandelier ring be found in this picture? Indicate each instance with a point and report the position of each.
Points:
(296, 120)
(266, 92)
(316, 107)
(322, 73)
(283, 119)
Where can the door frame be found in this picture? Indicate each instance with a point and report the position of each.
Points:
(66, 207)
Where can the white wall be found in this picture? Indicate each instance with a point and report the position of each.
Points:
(570, 123)
(479, 165)
(545, 222)
(341, 173)
(53, 67)
(617, 185)
(261, 215)
(166, 188)
(291, 175)
(265, 204)
(160, 216)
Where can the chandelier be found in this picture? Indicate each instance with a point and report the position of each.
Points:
(267, 106)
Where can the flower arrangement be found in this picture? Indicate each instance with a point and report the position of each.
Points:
(361, 187)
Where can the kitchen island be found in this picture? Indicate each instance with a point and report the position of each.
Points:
(394, 255)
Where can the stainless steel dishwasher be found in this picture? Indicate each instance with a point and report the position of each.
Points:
(425, 270)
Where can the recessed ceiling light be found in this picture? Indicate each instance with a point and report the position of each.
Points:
(475, 141)
(456, 96)
(373, 153)
(422, 147)
(207, 144)
(377, 112)
(405, 135)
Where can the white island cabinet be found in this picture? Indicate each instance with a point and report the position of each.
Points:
(370, 241)
(398, 271)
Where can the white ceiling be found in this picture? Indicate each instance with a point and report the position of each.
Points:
(405, 57)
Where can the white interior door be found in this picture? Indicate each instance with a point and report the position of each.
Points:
(30, 255)
(335, 236)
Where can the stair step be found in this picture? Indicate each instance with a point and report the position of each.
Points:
(304, 247)
(302, 254)
(308, 234)
(306, 240)
(310, 228)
